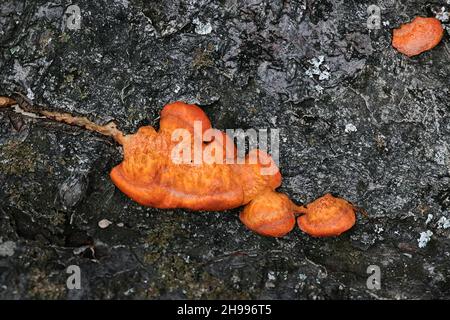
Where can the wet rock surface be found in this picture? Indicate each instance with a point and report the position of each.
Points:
(356, 118)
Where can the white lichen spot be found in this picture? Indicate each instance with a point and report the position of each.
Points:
(444, 223)
(447, 28)
(21, 76)
(302, 277)
(202, 28)
(124, 3)
(378, 229)
(319, 89)
(270, 280)
(386, 23)
(425, 237)
(324, 75)
(273, 120)
(235, 279)
(129, 291)
(7, 248)
(350, 127)
(104, 223)
(442, 15)
(429, 218)
(318, 68)
(317, 62)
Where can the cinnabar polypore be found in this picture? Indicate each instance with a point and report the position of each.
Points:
(149, 175)
(420, 35)
(327, 216)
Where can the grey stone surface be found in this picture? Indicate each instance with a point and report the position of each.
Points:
(357, 119)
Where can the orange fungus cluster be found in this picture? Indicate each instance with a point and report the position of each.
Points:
(421, 34)
(150, 176)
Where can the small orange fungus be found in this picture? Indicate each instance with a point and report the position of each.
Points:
(421, 34)
(327, 216)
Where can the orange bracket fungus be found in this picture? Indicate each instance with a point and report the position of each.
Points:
(327, 216)
(420, 35)
(160, 171)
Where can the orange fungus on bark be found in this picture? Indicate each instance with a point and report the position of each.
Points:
(152, 175)
(420, 35)
(269, 214)
(327, 216)
(149, 175)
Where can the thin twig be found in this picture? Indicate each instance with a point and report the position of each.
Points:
(25, 108)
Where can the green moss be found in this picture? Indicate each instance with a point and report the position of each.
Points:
(40, 286)
(202, 58)
(159, 239)
(58, 218)
(68, 78)
(64, 37)
(17, 158)
(175, 274)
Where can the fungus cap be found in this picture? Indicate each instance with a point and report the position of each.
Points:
(269, 214)
(150, 176)
(180, 115)
(327, 216)
(420, 35)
